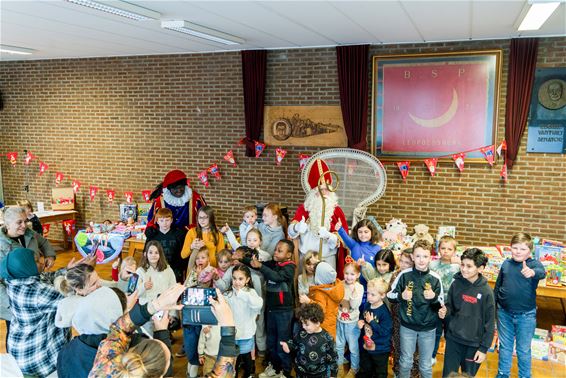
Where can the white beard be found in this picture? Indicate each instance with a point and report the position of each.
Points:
(313, 204)
(177, 201)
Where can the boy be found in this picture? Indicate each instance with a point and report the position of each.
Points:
(249, 222)
(171, 239)
(418, 291)
(469, 297)
(279, 275)
(377, 326)
(314, 349)
(515, 295)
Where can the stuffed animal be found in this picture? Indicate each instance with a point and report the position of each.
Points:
(395, 230)
(421, 233)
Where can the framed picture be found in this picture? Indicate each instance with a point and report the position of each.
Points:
(435, 105)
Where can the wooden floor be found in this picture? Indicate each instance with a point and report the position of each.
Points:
(549, 312)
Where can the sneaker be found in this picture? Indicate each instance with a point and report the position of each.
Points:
(433, 361)
(269, 372)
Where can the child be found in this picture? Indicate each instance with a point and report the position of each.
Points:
(208, 345)
(363, 242)
(121, 277)
(279, 275)
(347, 331)
(249, 222)
(418, 291)
(224, 260)
(328, 292)
(515, 295)
(155, 276)
(315, 356)
(469, 297)
(273, 228)
(244, 302)
(445, 268)
(35, 223)
(385, 265)
(205, 234)
(306, 278)
(171, 239)
(253, 241)
(375, 321)
(200, 272)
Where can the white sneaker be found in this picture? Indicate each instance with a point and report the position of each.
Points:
(433, 361)
(269, 372)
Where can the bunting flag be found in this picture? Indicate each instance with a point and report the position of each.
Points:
(303, 160)
(459, 160)
(46, 228)
(203, 177)
(229, 157)
(279, 155)
(214, 171)
(69, 226)
(42, 168)
(503, 173)
(13, 157)
(110, 194)
(146, 194)
(76, 184)
(58, 178)
(404, 168)
(28, 158)
(259, 147)
(129, 197)
(431, 165)
(242, 141)
(92, 192)
(502, 146)
(489, 154)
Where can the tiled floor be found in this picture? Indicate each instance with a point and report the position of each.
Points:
(550, 312)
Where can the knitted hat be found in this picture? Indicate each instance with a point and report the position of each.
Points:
(19, 263)
(174, 176)
(324, 274)
(318, 169)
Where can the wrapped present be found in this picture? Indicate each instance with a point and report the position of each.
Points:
(554, 275)
(540, 349)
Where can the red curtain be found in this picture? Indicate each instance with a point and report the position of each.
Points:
(353, 82)
(254, 64)
(522, 64)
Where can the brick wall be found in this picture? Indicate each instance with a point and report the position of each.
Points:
(122, 123)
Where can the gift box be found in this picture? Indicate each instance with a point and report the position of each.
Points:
(554, 275)
(62, 199)
(540, 349)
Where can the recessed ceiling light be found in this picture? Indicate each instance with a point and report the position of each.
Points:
(120, 8)
(537, 15)
(16, 50)
(202, 32)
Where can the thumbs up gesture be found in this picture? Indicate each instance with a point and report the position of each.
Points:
(148, 284)
(526, 271)
(302, 226)
(407, 294)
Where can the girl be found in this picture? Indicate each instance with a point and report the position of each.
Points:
(253, 240)
(224, 260)
(155, 275)
(79, 280)
(347, 331)
(385, 265)
(245, 302)
(205, 234)
(306, 278)
(273, 228)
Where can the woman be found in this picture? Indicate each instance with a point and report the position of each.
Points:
(15, 234)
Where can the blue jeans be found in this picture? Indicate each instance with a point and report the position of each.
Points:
(409, 340)
(518, 328)
(278, 328)
(348, 333)
(191, 335)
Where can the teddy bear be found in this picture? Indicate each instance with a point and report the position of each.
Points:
(421, 233)
(395, 230)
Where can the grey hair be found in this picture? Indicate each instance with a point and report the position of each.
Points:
(12, 213)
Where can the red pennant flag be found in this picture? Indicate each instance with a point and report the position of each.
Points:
(279, 155)
(502, 146)
(42, 168)
(129, 196)
(229, 157)
(46, 228)
(69, 226)
(503, 173)
(242, 141)
(58, 178)
(214, 171)
(404, 168)
(259, 147)
(146, 194)
(110, 194)
(459, 160)
(303, 160)
(13, 157)
(92, 192)
(431, 165)
(203, 177)
(29, 157)
(76, 184)
(489, 154)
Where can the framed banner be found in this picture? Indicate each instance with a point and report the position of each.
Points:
(435, 105)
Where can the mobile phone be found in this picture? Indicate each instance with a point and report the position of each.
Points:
(198, 296)
(132, 283)
(158, 315)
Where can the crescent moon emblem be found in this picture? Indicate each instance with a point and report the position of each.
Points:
(442, 119)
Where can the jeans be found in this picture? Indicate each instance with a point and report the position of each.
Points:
(439, 331)
(348, 333)
(278, 327)
(191, 334)
(518, 328)
(409, 340)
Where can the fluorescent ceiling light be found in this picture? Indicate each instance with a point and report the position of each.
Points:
(16, 50)
(538, 14)
(120, 8)
(201, 32)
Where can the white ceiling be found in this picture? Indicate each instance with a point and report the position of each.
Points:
(58, 29)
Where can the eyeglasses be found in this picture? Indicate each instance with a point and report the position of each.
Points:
(203, 217)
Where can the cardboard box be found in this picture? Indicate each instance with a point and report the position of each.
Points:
(62, 199)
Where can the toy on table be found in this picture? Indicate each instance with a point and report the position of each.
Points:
(421, 233)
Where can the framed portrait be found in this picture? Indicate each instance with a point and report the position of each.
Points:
(435, 105)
